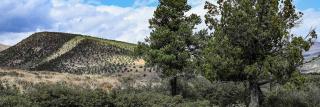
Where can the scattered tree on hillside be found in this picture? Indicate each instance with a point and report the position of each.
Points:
(171, 41)
(252, 43)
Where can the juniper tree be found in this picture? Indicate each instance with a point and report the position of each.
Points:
(171, 41)
(252, 43)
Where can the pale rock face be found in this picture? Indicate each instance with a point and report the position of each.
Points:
(312, 57)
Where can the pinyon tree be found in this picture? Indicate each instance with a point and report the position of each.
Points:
(252, 43)
(171, 41)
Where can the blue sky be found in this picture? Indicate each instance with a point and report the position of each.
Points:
(124, 20)
(121, 3)
(307, 4)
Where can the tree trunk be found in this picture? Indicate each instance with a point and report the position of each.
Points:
(255, 95)
(173, 83)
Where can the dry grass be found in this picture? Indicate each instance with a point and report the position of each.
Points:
(140, 62)
(25, 79)
(137, 75)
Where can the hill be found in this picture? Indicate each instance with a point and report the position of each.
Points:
(313, 52)
(72, 53)
(3, 47)
(312, 60)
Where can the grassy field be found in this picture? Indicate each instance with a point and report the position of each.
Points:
(44, 88)
(24, 79)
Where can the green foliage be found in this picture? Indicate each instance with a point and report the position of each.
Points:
(171, 40)
(159, 96)
(146, 99)
(196, 92)
(11, 97)
(252, 42)
(193, 88)
(305, 97)
(61, 95)
(15, 101)
(228, 94)
(66, 96)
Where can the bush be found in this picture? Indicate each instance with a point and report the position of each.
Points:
(194, 87)
(15, 101)
(228, 94)
(11, 97)
(66, 96)
(308, 96)
(61, 95)
(146, 99)
(153, 99)
(286, 99)
(194, 92)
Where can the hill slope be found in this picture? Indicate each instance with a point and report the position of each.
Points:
(312, 59)
(3, 47)
(71, 53)
(313, 52)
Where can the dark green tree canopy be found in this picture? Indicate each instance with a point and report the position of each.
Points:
(171, 40)
(252, 40)
(252, 43)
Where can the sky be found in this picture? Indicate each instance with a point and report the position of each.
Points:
(123, 20)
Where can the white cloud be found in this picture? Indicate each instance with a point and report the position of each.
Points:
(23, 16)
(121, 23)
(310, 19)
(198, 8)
(128, 24)
(11, 38)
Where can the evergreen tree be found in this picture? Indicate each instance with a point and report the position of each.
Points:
(252, 43)
(171, 41)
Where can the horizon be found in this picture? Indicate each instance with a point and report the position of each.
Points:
(125, 20)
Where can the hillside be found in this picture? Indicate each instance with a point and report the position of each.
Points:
(313, 52)
(3, 47)
(63, 52)
(312, 60)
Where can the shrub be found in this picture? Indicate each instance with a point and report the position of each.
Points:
(227, 94)
(15, 101)
(153, 99)
(66, 96)
(11, 97)
(285, 99)
(308, 96)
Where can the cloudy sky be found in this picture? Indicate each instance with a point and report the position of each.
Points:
(124, 20)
